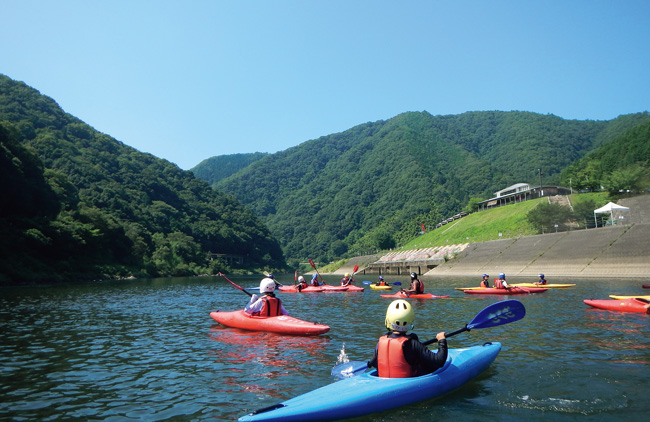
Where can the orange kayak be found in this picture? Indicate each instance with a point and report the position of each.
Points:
(282, 324)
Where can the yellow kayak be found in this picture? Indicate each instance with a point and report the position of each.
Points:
(646, 297)
(468, 288)
(548, 286)
(374, 286)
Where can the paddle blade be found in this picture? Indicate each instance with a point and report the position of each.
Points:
(311, 262)
(366, 282)
(349, 369)
(397, 283)
(355, 269)
(498, 313)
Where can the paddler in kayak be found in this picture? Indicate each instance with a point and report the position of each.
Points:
(401, 355)
(314, 280)
(542, 281)
(500, 282)
(381, 281)
(485, 283)
(267, 304)
(347, 280)
(301, 283)
(417, 286)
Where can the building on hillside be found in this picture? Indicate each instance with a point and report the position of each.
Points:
(520, 192)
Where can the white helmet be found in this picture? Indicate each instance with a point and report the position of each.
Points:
(267, 285)
(400, 316)
(301, 279)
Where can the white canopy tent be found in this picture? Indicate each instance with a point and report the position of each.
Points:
(611, 208)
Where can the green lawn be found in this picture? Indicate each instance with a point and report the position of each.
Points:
(509, 221)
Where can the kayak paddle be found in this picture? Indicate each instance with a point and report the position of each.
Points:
(499, 313)
(243, 290)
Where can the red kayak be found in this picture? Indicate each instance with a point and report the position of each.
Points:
(620, 305)
(508, 291)
(294, 289)
(282, 324)
(353, 288)
(330, 288)
(646, 286)
(404, 295)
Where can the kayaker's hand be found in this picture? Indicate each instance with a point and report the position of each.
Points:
(440, 336)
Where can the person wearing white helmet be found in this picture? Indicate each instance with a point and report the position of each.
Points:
(301, 283)
(347, 280)
(402, 355)
(500, 282)
(267, 304)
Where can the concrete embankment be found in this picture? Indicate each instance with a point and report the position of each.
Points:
(622, 251)
(614, 251)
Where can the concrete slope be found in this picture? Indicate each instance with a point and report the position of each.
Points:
(621, 251)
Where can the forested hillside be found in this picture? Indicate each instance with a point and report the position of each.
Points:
(370, 187)
(620, 165)
(217, 168)
(77, 204)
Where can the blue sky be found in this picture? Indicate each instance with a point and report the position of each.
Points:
(188, 80)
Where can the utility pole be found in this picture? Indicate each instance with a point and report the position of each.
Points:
(541, 192)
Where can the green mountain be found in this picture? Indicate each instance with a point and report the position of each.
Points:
(217, 168)
(371, 186)
(77, 204)
(620, 165)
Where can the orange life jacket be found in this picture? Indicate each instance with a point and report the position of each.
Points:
(270, 307)
(484, 283)
(498, 284)
(391, 362)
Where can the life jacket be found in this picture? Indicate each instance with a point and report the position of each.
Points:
(542, 281)
(498, 284)
(270, 307)
(391, 362)
(418, 286)
(485, 284)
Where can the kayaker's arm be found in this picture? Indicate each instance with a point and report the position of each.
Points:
(428, 359)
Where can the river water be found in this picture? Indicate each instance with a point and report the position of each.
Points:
(147, 350)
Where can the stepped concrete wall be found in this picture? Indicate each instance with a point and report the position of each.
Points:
(618, 251)
(612, 251)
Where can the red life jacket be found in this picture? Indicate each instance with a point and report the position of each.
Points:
(391, 362)
(418, 286)
(498, 284)
(484, 284)
(270, 307)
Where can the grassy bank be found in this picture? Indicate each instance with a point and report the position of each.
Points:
(497, 223)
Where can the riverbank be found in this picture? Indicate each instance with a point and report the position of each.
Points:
(621, 251)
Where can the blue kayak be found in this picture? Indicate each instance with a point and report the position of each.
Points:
(367, 393)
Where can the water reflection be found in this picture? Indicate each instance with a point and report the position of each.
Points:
(148, 350)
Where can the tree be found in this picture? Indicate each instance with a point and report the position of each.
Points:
(545, 216)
